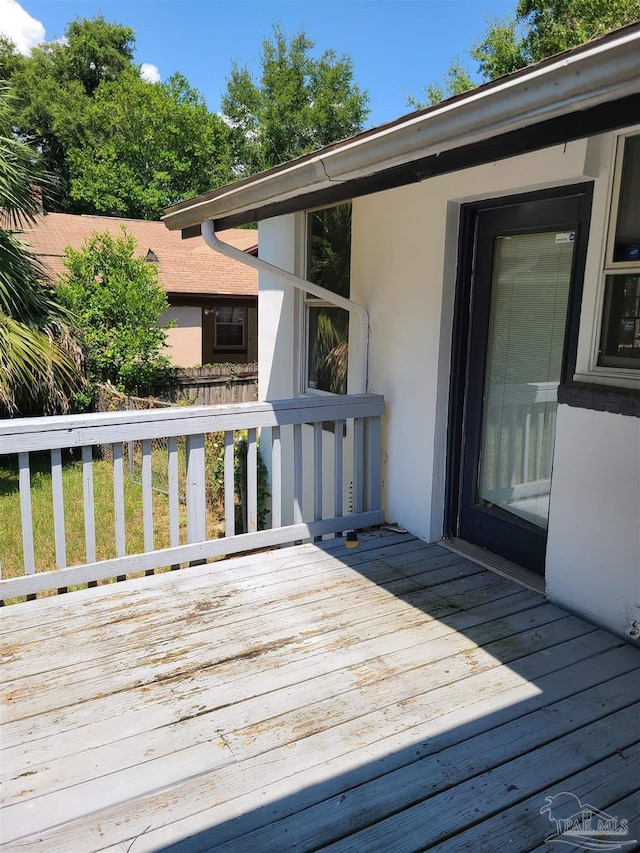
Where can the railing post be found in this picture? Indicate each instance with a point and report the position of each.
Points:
(297, 473)
(317, 474)
(276, 477)
(26, 514)
(88, 502)
(196, 489)
(252, 481)
(373, 466)
(338, 470)
(358, 464)
(229, 485)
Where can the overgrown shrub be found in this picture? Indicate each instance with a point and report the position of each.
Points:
(214, 462)
(117, 301)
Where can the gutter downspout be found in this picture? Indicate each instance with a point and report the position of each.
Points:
(358, 335)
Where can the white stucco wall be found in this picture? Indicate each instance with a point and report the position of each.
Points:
(404, 261)
(593, 552)
(184, 341)
(403, 270)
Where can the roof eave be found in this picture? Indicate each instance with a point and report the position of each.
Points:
(578, 80)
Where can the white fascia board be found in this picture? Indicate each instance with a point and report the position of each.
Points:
(576, 81)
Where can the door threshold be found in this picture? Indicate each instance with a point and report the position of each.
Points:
(494, 563)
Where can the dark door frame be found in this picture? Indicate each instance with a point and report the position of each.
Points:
(462, 324)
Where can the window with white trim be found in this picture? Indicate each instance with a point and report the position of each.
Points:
(620, 331)
(327, 327)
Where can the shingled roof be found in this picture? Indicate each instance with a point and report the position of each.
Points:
(184, 266)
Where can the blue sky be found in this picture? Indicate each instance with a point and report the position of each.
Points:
(397, 46)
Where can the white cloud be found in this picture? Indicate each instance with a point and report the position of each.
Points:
(149, 73)
(19, 26)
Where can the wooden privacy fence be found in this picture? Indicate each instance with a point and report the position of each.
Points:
(212, 385)
(286, 420)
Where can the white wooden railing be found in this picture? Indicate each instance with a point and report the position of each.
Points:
(344, 459)
(519, 454)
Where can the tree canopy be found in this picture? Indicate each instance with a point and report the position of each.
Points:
(119, 145)
(298, 104)
(537, 30)
(114, 143)
(146, 146)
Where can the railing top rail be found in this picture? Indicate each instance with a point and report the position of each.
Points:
(63, 431)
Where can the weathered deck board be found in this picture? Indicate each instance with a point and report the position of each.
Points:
(517, 828)
(384, 796)
(395, 697)
(229, 605)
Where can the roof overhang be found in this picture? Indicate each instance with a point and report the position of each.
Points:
(590, 89)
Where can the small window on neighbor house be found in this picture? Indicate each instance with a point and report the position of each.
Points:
(327, 327)
(229, 328)
(620, 332)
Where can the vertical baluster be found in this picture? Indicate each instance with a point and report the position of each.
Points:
(26, 516)
(131, 449)
(196, 493)
(174, 495)
(526, 444)
(317, 473)
(118, 502)
(147, 498)
(58, 508)
(297, 473)
(539, 441)
(338, 470)
(252, 481)
(358, 464)
(550, 441)
(229, 486)
(373, 435)
(89, 508)
(58, 512)
(513, 425)
(276, 477)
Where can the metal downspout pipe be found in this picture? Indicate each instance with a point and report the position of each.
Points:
(358, 334)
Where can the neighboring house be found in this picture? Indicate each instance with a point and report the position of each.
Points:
(214, 300)
(494, 240)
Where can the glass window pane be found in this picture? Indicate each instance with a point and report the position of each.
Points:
(627, 238)
(327, 349)
(228, 314)
(329, 265)
(223, 315)
(229, 335)
(330, 248)
(621, 327)
(229, 327)
(529, 300)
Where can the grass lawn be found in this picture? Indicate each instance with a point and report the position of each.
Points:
(11, 553)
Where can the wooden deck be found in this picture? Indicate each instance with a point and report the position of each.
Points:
(395, 697)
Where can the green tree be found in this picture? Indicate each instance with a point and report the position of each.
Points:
(542, 28)
(117, 300)
(456, 81)
(539, 29)
(55, 84)
(40, 362)
(147, 146)
(300, 103)
(114, 143)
